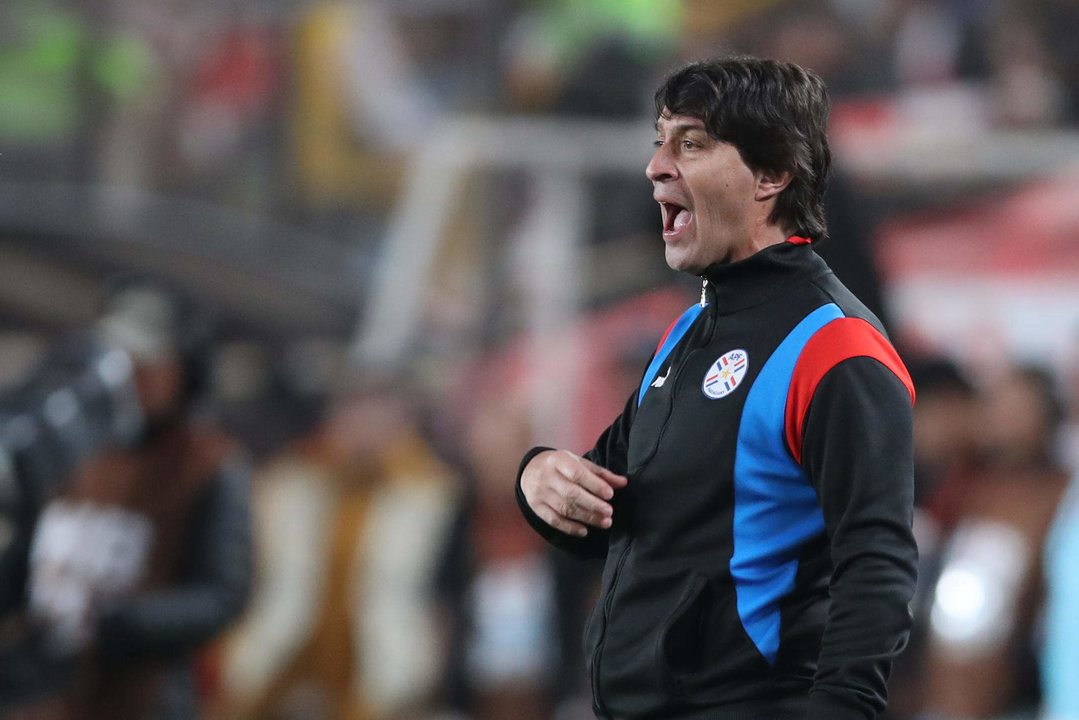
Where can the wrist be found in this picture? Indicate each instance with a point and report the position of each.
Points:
(529, 456)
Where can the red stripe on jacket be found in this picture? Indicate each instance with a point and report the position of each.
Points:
(837, 341)
(665, 336)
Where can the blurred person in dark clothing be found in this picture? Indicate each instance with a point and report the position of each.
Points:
(145, 554)
(945, 439)
(980, 656)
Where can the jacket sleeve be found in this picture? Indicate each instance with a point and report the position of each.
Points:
(610, 451)
(858, 451)
(213, 588)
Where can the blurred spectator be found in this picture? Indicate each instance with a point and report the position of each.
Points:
(1058, 23)
(498, 582)
(78, 397)
(13, 536)
(357, 106)
(557, 58)
(945, 440)
(818, 35)
(42, 116)
(350, 520)
(226, 145)
(1027, 89)
(929, 39)
(63, 71)
(144, 554)
(554, 49)
(979, 660)
(1069, 435)
(945, 423)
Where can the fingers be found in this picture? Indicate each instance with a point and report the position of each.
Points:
(570, 493)
(614, 479)
(574, 502)
(552, 518)
(582, 473)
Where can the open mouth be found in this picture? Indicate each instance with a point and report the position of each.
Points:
(675, 217)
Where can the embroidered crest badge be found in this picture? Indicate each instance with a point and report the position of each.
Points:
(725, 374)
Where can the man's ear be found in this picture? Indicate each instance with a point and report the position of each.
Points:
(770, 183)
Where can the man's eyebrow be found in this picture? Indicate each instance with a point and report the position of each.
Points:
(682, 125)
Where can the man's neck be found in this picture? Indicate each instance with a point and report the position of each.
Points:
(763, 235)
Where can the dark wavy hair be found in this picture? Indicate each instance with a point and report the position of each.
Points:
(775, 114)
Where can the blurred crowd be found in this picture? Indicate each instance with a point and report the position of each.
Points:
(201, 518)
(308, 110)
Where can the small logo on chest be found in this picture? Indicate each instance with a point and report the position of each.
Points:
(726, 374)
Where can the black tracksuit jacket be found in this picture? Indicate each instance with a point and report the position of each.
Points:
(761, 560)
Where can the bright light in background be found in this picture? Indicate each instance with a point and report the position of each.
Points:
(974, 604)
(961, 608)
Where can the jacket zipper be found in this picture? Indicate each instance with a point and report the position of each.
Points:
(608, 600)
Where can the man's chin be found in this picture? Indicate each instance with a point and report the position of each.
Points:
(680, 262)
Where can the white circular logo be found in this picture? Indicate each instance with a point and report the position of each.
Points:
(726, 374)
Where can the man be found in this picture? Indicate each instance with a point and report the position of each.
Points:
(754, 499)
(146, 553)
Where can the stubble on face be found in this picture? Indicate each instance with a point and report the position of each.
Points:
(706, 196)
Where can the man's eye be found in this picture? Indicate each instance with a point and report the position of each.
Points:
(657, 143)
(689, 144)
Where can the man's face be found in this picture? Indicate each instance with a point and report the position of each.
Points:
(159, 384)
(706, 195)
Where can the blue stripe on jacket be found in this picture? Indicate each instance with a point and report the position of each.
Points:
(676, 333)
(775, 506)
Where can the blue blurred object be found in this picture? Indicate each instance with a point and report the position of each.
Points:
(1060, 661)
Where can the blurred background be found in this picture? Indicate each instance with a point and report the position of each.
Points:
(401, 241)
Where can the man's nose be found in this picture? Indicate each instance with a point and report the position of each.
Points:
(661, 167)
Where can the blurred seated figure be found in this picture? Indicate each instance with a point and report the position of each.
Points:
(350, 521)
(980, 659)
(144, 554)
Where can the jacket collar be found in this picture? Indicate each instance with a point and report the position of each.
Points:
(743, 284)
